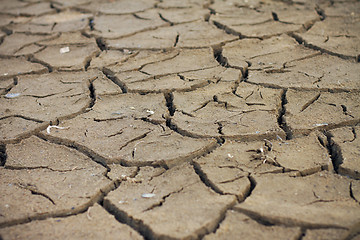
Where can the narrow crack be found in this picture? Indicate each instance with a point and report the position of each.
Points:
(217, 51)
(138, 225)
(281, 118)
(111, 75)
(163, 199)
(311, 101)
(275, 16)
(334, 151)
(351, 193)
(3, 155)
(202, 175)
(320, 12)
(166, 20)
(34, 191)
(92, 95)
(169, 98)
(35, 60)
(101, 44)
(176, 39)
(226, 29)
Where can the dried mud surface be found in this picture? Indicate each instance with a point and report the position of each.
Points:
(165, 119)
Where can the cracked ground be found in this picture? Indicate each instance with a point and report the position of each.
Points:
(166, 119)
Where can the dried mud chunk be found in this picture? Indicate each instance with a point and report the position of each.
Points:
(168, 190)
(13, 128)
(271, 54)
(324, 234)
(195, 34)
(150, 106)
(104, 86)
(336, 35)
(48, 96)
(142, 58)
(95, 223)
(109, 57)
(185, 81)
(75, 58)
(187, 60)
(215, 111)
(39, 193)
(45, 155)
(15, 42)
(234, 160)
(239, 226)
(345, 141)
(65, 21)
(118, 7)
(122, 124)
(7, 68)
(32, 9)
(71, 38)
(104, 26)
(120, 173)
(183, 15)
(179, 4)
(318, 72)
(310, 110)
(318, 200)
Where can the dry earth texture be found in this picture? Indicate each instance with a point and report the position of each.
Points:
(169, 119)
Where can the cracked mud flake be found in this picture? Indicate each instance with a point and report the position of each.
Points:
(95, 223)
(104, 86)
(239, 226)
(13, 128)
(174, 4)
(337, 35)
(271, 54)
(103, 25)
(138, 60)
(172, 189)
(75, 59)
(31, 9)
(194, 34)
(183, 15)
(40, 193)
(129, 127)
(68, 38)
(257, 18)
(343, 9)
(310, 110)
(15, 42)
(324, 234)
(118, 7)
(45, 155)
(186, 81)
(318, 72)
(347, 145)
(234, 160)
(66, 21)
(8, 69)
(215, 111)
(48, 96)
(318, 200)
(187, 60)
(110, 57)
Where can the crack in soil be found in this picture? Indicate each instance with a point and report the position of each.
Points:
(281, 119)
